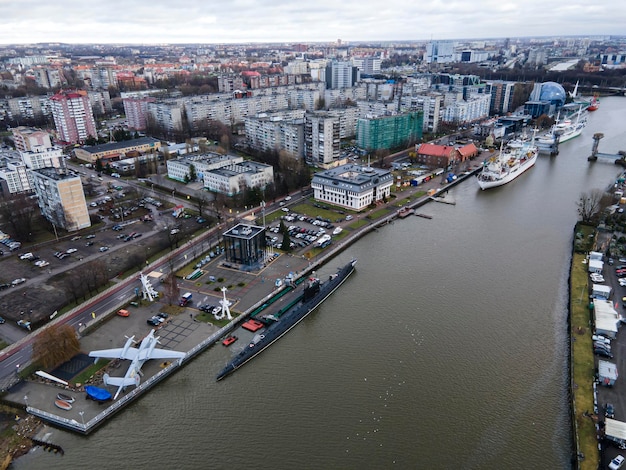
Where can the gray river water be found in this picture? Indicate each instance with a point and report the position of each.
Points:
(446, 349)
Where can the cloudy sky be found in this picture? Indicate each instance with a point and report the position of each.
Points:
(236, 21)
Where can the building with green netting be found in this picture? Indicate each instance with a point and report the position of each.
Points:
(386, 132)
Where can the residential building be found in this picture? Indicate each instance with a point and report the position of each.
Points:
(136, 110)
(47, 77)
(14, 176)
(340, 74)
(73, 116)
(166, 114)
(352, 186)
(322, 139)
(501, 96)
(61, 198)
(28, 139)
(234, 179)
(386, 132)
(277, 131)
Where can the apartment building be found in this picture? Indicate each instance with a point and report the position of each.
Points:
(14, 176)
(136, 110)
(387, 132)
(322, 139)
(73, 116)
(61, 198)
(166, 114)
(277, 131)
(28, 139)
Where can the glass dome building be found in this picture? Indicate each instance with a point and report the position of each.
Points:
(552, 92)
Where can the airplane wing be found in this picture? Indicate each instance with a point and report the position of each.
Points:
(165, 354)
(115, 353)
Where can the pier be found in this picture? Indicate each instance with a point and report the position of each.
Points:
(618, 159)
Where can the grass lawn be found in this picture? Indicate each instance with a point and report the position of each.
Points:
(358, 224)
(583, 365)
(326, 211)
(209, 318)
(379, 213)
(86, 374)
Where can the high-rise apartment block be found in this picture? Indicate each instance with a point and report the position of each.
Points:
(61, 198)
(136, 110)
(73, 116)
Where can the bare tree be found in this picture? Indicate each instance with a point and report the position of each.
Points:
(172, 291)
(19, 211)
(55, 345)
(589, 205)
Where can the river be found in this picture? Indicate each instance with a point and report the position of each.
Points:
(447, 348)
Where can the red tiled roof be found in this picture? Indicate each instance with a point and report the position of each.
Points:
(468, 150)
(435, 150)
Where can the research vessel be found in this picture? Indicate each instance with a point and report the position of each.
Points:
(315, 292)
(507, 165)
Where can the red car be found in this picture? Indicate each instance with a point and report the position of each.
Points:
(230, 340)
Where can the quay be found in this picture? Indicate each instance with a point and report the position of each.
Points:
(183, 333)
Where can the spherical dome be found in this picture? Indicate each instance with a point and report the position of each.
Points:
(552, 92)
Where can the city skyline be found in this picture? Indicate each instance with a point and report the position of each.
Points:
(267, 21)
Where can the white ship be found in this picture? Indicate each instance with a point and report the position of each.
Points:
(507, 165)
(565, 129)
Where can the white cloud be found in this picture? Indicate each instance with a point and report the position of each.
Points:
(143, 21)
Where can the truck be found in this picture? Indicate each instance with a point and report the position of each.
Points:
(185, 299)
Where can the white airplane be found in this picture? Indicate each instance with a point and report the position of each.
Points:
(147, 350)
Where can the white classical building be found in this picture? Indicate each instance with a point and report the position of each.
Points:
(233, 179)
(352, 186)
(178, 169)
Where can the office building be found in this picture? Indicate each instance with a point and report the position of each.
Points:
(352, 186)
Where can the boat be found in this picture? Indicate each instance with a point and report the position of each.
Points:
(62, 404)
(507, 165)
(594, 104)
(315, 292)
(565, 129)
(230, 340)
(405, 212)
(64, 397)
(97, 394)
(337, 230)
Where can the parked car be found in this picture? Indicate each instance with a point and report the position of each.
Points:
(123, 313)
(617, 463)
(104, 248)
(88, 237)
(2, 320)
(609, 410)
(69, 251)
(18, 281)
(603, 353)
(89, 243)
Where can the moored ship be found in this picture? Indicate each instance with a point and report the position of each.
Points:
(315, 292)
(507, 165)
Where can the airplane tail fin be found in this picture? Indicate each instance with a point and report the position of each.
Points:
(121, 381)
